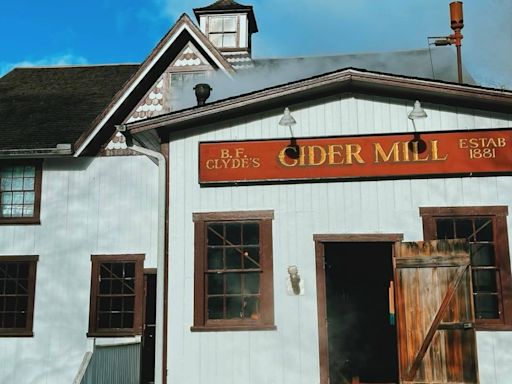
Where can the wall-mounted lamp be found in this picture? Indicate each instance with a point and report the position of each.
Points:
(418, 113)
(287, 120)
(294, 281)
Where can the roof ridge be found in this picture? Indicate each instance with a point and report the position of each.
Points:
(342, 54)
(64, 66)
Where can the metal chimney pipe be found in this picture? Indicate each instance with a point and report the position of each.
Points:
(202, 93)
(457, 23)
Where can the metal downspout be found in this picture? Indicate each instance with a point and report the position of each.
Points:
(159, 342)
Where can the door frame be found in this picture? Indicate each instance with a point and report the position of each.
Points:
(320, 240)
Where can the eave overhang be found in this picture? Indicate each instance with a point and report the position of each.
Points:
(348, 80)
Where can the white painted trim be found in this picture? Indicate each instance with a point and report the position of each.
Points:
(83, 368)
(116, 341)
(139, 79)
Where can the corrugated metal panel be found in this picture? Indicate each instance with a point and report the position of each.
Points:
(290, 354)
(114, 365)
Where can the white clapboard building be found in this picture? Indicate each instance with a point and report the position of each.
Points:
(336, 219)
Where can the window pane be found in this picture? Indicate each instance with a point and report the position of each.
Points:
(484, 230)
(17, 198)
(215, 258)
(252, 283)
(30, 171)
(6, 211)
(464, 229)
(230, 24)
(17, 184)
(482, 254)
(215, 308)
(117, 304)
(234, 233)
(6, 172)
(486, 306)
(117, 286)
(234, 307)
(252, 308)
(16, 210)
(215, 24)
(127, 320)
(484, 281)
(105, 269)
(251, 257)
(6, 198)
(116, 320)
(129, 304)
(251, 233)
(233, 283)
(29, 197)
(445, 229)
(129, 270)
(229, 40)
(28, 184)
(105, 286)
(6, 184)
(21, 320)
(216, 39)
(104, 303)
(215, 234)
(18, 171)
(233, 258)
(103, 320)
(215, 284)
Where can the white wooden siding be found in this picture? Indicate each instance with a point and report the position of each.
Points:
(89, 206)
(290, 354)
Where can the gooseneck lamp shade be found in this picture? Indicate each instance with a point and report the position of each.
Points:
(417, 112)
(287, 120)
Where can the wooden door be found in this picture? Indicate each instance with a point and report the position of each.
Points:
(435, 312)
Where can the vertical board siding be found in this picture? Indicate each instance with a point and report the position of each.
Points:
(89, 206)
(114, 365)
(290, 354)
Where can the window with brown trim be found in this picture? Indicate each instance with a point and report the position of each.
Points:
(233, 271)
(485, 228)
(20, 192)
(117, 288)
(17, 289)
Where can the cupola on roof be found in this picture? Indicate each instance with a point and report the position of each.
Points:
(229, 6)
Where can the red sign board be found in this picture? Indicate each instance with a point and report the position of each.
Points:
(357, 157)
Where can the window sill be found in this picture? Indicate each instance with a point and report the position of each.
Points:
(230, 328)
(112, 334)
(493, 327)
(20, 221)
(16, 333)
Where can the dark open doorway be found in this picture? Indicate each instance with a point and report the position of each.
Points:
(361, 332)
(148, 335)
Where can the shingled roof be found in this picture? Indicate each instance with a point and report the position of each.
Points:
(43, 107)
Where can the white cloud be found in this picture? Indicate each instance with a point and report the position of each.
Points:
(58, 59)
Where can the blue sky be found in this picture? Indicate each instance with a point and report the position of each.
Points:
(55, 32)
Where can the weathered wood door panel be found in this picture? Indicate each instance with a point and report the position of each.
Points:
(436, 316)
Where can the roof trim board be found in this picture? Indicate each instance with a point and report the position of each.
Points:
(184, 23)
(344, 80)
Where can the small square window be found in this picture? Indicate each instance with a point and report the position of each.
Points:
(20, 192)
